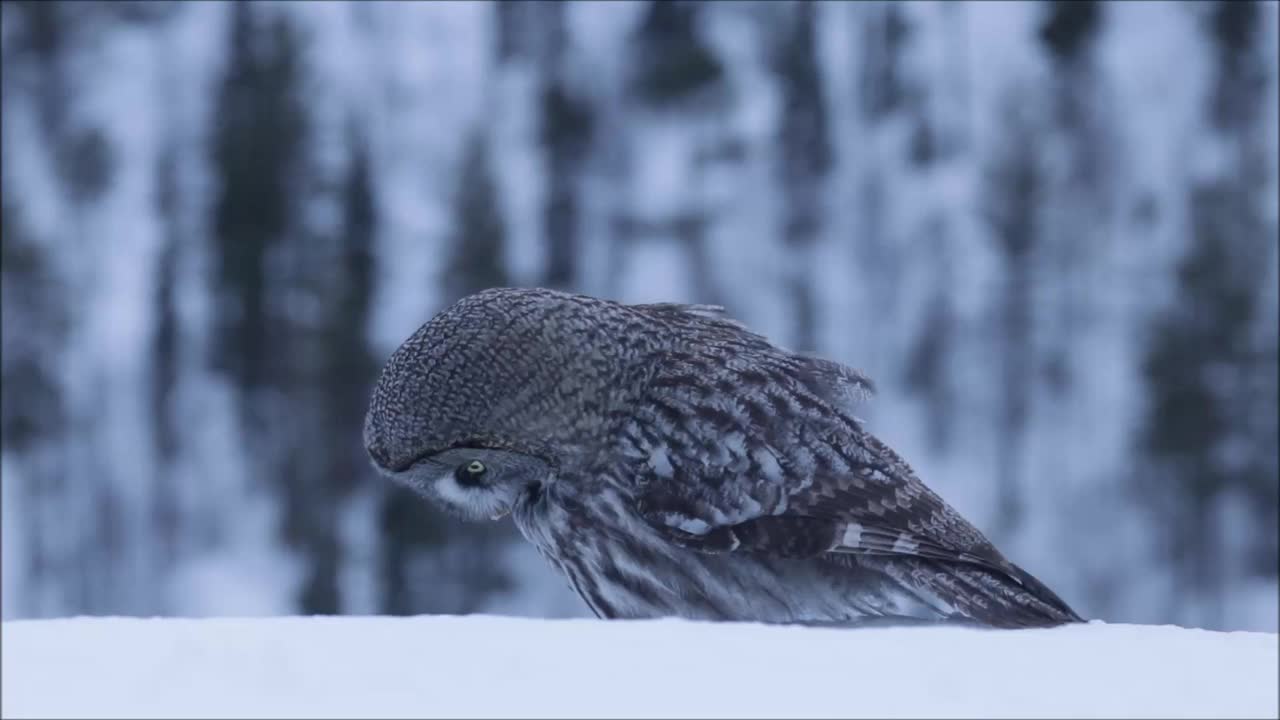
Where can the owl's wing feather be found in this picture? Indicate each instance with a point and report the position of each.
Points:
(747, 448)
(835, 381)
(838, 523)
(791, 534)
(830, 489)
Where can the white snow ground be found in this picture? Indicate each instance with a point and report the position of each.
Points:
(509, 667)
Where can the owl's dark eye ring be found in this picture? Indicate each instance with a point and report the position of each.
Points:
(470, 473)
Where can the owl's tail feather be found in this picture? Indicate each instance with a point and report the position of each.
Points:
(982, 595)
(1043, 594)
(1018, 600)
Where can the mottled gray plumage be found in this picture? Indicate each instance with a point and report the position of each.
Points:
(671, 462)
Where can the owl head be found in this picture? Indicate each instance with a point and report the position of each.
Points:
(496, 394)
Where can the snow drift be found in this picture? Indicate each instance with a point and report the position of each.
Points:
(493, 666)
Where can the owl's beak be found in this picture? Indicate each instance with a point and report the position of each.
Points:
(500, 514)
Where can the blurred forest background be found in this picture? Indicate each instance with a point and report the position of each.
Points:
(1047, 230)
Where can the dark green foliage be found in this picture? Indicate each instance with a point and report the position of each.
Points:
(352, 313)
(1069, 27)
(883, 85)
(331, 371)
(1260, 476)
(672, 62)
(300, 379)
(508, 34)
(567, 126)
(804, 135)
(49, 28)
(165, 341)
(86, 164)
(805, 158)
(1242, 67)
(406, 527)
(35, 58)
(477, 250)
(529, 30)
(165, 346)
(334, 371)
(1234, 28)
(33, 327)
(416, 562)
(349, 369)
(140, 12)
(927, 372)
(1211, 390)
(34, 419)
(567, 122)
(45, 27)
(1203, 342)
(259, 129)
(1013, 193)
(1211, 364)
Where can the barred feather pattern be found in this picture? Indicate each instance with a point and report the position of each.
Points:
(703, 472)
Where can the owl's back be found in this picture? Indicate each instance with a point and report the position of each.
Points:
(741, 486)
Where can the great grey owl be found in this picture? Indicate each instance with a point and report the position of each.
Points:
(671, 462)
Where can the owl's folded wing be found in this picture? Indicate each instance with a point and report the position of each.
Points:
(838, 519)
(879, 508)
(841, 519)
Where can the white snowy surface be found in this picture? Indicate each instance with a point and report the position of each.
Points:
(509, 667)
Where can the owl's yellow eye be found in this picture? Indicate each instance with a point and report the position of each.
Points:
(469, 475)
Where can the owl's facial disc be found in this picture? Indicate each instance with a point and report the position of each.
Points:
(473, 483)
